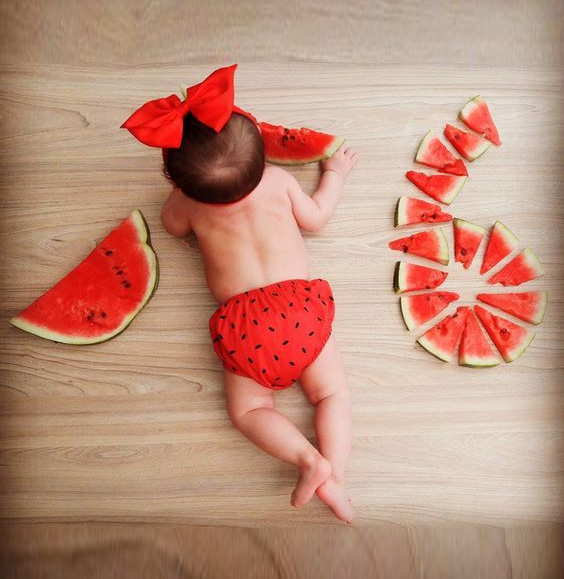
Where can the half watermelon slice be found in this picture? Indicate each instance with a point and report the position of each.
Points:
(285, 146)
(467, 239)
(475, 350)
(441, 340)
(442, 188)
(510, 339)
(100, 297)
(468, 145)
(500, 244)
(410, 277)
(433, 153)
(527, 306)
(417, 310)
(476, 115)
(522, 268)
(410, 211)
(429, 244)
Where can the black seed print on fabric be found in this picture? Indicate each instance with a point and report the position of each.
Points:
(306, 300)
(231, 352)
(244, 315)
(271, 328)
(297, 325)
(275, 294)
(311, 333)
(276, 357)
(265, 309)
(331, 298)
(291, 304)
(283, 315)
(250, 360)
(307, 289)
(253, 300)
(285, 342)
(258, 346)
(232, 325)
(255, 322)
(324, 302)
(263, 371)
(292, 363)
(319, 319)
(304, 350)
(305, 309)
(222, 317)
(243, 336)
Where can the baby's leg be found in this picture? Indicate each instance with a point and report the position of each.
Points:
(251, 409)
(325, 384)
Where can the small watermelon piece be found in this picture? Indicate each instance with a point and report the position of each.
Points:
(441, 340)
(522, 268)
(468, 145)
(476, 115)
(410, 211)
(433, 153)
(416, 310)
(409, 277)
(475, 350)
(500, 244)
(429, 244)
(285, 146)
(100, 297)
(527, 306)
(467, 239)
(510, 339)
(442, 188)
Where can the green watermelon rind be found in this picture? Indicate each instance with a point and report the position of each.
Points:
(145, 238)
(476, 362)
(399, 277)
(407, 318)
(509, 237)
(472, 155)
(423, 145)
(468, 226)
(434, 349)
(454, 193)
(444, 255)
(325, 154)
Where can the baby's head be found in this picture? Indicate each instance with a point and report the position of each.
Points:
(216, 167)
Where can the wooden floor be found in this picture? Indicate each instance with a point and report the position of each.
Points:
(135, 430)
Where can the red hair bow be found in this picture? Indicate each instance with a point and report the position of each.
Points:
(159, 122)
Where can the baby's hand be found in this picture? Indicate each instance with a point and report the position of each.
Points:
(342, 161)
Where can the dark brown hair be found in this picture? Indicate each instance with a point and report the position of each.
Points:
(216, 167)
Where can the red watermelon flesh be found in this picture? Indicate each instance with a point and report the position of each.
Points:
(429, 244)
(527, 306)
(467, 239)
(410, 277)
(100, 297)
(476, 115)
(500, 244)
(441, 340)
(475, 350)
(468, 145)
(416, 310)
(433, 153)
(285, 146)
(510, 339)
(522, 268)
(442, 188)
(410, 211)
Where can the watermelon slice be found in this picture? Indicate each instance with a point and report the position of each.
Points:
(476, 115)
(527, 306)
(433, 153)
(409, 277)
(501, 243)
(510, 339)
(524, 267)
(100, 297)
(441, 340)
(468, 145)
(443, 188)
(416, 310)
(467, 239)
(429, 244)
(410, 210)
(475, 350)
(285, 146)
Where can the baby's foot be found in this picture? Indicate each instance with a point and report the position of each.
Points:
(334, 496)
(311, 476)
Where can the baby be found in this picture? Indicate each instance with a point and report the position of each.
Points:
(274, 324)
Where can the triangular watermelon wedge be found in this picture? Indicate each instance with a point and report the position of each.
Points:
(522, 268)
(410, 210)
(417, 310)
(475, 350)
(468, 145)
(500, 244)
(442, 188)
(433, 153)
(429, 244)
(467, 239)
(476, 115)
(510, 339)
(410, 277)
(441, 340)
(527, 306)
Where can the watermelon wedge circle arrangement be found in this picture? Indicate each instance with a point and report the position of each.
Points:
(101, 296)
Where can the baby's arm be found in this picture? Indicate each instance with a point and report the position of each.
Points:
(174, 214)
(312, 213)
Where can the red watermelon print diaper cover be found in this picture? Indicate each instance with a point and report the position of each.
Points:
(270, 334)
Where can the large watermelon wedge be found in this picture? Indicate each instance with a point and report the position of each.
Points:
(500, 244)
(522, 268)
(429, 244)
(475, 350)
(442, 188)
(409, 277)
(285, 146)
(100, 297)
(410, 210)
(510, 339)
(441, 340)
(476, 115)
(417, 310)
(433, 153)
(467, 239)
(527, 306)
(468, 145)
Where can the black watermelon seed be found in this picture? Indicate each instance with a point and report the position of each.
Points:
(253, 300)
(305, 309)
(324, 302)
(331, 298)
(103, 314)
(278, 285)
(236, 301)
(291, 304)
(120, 272)
(222, 317)
(246, 293)
(304, 350)
(285, 342)
(232, 326)
(255, 322)
(263, 371)
(244, 315)
(250, 360)
(276, 379)
(274, 294)
(243, 336)
(216, 339)
(258, 346)
(311, 333)
(271, 328)
(127, 284)
(319, 319)
(231, 352)
(307, 289)
(318, 296)
(307, 299)
(283, 315)
(265, 309)
(109, 252)
(261, 289)
(292, 363)
(276, 357)
(297, 325)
